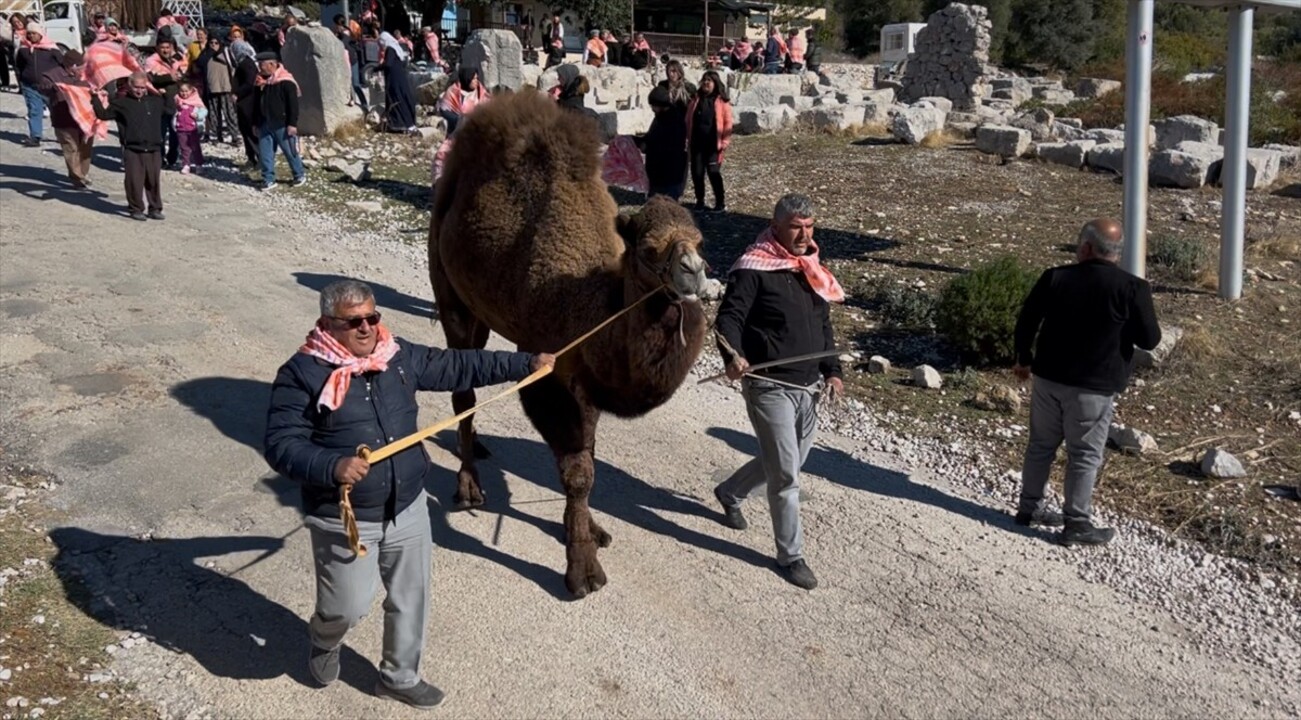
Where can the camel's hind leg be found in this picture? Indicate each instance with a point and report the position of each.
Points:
(463, 331)
(568, 425)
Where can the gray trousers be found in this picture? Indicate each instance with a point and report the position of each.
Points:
(1079, 417)
(399, 557)
(784, 420)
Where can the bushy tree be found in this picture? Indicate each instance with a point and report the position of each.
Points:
(978, 311)
(1058, 34)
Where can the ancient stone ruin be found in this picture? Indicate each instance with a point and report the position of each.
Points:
(952, 57)
(312, 55)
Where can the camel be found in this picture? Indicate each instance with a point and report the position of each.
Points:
(525, 240)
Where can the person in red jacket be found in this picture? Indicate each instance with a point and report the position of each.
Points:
(709, 131)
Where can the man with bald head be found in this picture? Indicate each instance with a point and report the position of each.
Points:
(1076, 334)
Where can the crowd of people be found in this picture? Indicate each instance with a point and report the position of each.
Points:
(192, 90)
(792, 54)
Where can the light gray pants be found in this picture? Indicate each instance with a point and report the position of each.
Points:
(399, 556)
(784, 421)
(1079, 417)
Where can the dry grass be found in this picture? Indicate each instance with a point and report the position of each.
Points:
(1276, 246)
(857, 132)
(352, 131)
(1208, 278)
(940, 139)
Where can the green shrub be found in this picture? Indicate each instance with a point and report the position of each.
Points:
(907, 308)
(1183, 257)
(977, 311)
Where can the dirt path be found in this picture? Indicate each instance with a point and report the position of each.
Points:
(135, 363)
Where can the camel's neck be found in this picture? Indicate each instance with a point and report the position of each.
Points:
(646, 355)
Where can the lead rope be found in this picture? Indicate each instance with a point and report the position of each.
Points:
(382, 453)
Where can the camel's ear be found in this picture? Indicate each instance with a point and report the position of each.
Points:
(627, 227)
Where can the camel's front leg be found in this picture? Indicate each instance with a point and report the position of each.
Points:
(583, 574)
(468, 492)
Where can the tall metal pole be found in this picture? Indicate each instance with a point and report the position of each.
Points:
(705, 55)
(1233, 173)
(1138, 91)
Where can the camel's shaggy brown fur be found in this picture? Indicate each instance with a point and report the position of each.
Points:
(525, 240)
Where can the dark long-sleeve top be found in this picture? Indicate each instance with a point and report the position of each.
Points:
(1081, 322)
(773, 316)
(277, 105)
(33, 63)
(139, 120)
(305, 442)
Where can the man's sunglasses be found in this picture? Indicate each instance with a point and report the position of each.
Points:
(355, 322)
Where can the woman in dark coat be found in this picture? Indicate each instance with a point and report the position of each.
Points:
(400, 106)
(246, 97)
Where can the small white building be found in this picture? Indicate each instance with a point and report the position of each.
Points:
(898, 41)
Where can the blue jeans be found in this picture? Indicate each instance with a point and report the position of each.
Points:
(772, 69)
(268, 140)
(359, 89)
(35, 108)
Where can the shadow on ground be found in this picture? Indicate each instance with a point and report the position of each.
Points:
(161, 589)
(40, 183)
(385, 297)
(844, 469)
(614, 493)
(235, 406)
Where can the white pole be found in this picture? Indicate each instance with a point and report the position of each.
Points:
(1233, 173)
(1138, 92)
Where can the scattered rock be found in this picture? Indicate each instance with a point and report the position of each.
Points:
(312, 55)
(925, 376)
(1156, 356)
(498, 55)
(951, 57)
(1172, 131)
(878, 365)
(1071, 154)
(366, 206)
(1003, 140)
(1108, 156)
(1218, 463)
(1187, 168)
(356, 171)
(999, 398)
(1262, 168)
(1130, 440)
(1096, 88)
(912, 125)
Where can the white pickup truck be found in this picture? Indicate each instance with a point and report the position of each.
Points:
(67, 25)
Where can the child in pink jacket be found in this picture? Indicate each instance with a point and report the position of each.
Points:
(190, 114)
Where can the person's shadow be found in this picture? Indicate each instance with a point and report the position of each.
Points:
(235, 406)
(41, 183)
(614, 493)
(161, 589)
(844, 469)
(385, 296)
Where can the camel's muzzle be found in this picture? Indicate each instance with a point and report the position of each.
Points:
(688, 275)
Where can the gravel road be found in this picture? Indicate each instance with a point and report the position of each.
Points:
(135, 361)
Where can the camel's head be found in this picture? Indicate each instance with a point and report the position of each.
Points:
(664, 248)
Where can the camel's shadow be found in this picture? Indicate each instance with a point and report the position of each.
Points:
(614, 493)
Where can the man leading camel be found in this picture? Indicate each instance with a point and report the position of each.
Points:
(353, 383)
(776, 307)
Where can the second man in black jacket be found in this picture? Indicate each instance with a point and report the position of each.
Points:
(139, 126)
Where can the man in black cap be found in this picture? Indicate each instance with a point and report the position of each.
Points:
(277, 119)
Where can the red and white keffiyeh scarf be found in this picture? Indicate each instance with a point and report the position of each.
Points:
(767, 254)
(321, 345)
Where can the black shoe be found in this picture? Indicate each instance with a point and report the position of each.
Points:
(799, 574)
(324, 664)
(719, 208)
(699, 206)
(1083, 532)
(138, 216)
(732, 516)
(1040, 518)
(32, 142)
(422, 695)
(157, 215)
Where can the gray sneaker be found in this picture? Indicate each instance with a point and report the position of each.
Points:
(421, 696)
(324, 664)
